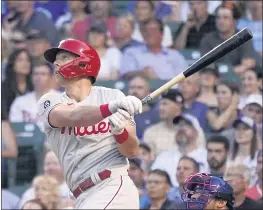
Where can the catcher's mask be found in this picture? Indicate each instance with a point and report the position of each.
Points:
(201, 188)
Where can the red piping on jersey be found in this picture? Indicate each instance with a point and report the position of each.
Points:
(115, 194)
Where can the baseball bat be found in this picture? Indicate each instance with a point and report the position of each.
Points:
(219, 51)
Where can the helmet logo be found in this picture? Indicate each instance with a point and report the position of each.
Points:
(62, 41)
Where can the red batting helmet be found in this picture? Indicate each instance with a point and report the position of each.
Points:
(87, 64)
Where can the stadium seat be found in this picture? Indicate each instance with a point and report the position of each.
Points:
(175, 28)
(30, 142)
(191, 55)
(19, 189)
(226, 73)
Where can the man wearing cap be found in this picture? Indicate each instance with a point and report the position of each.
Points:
(37, 43)
(160, 136)
(253, 109)
(187, 140)
(139, 87)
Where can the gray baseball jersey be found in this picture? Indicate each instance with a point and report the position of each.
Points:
(82, 150)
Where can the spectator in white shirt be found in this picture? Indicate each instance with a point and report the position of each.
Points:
(51, 168)
(109, 56)
(186, 138)
(24, 108)
(144, 11)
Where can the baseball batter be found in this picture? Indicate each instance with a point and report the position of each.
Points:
(91, 130)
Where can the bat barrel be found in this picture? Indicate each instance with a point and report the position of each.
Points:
(218, 52)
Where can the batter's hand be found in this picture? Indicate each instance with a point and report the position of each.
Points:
(131, 104)
(118, 121)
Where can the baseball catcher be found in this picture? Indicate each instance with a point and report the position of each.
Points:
(203, 191)
(90, 129)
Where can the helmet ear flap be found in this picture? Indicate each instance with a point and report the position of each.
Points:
(84, 62)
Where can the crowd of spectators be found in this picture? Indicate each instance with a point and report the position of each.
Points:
(211, 122)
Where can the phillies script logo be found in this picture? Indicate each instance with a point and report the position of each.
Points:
(101, 127)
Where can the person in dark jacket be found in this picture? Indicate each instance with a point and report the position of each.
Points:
(18, 77)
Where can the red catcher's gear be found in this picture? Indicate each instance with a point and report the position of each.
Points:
(87, 64)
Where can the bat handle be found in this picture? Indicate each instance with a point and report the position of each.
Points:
(147, 99)
(163, 88)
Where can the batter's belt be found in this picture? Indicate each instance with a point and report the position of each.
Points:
(89, 183)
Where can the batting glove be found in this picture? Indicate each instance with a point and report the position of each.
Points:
(131, 104)
(118, 121)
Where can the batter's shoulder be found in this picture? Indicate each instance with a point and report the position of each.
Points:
(51, 95)
(115, 93)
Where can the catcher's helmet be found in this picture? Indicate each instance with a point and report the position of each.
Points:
(87, 64)
(207, 187)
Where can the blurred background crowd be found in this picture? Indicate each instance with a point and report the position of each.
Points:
(210, 122)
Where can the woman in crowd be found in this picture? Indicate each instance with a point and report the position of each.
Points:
(221, 118)
(18, 77)
(245, 144)
(34, 204)
(109, 56)
(209, 78)
(250, 84)
(47, 191)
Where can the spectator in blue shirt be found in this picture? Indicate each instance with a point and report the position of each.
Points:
(254, 23)
(158, 184)
(161, 9)
(23, 17)
(139, 87)
(152, 60)
(52, 9)
(125, 27)
(137, 174)
(190, 89)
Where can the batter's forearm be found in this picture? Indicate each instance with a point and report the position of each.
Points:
(130, 147)
(79, 115)
(85, 116)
